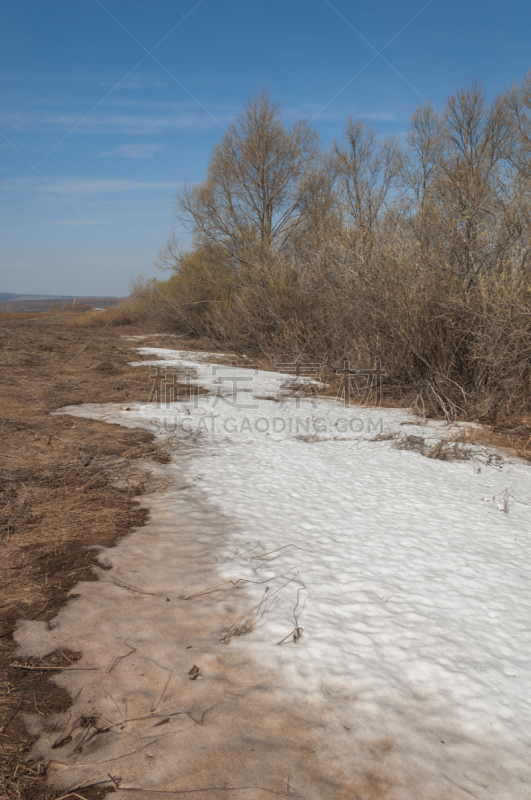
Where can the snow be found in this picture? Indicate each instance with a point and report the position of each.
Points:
(388, 588)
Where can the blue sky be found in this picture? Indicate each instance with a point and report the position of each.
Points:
(113, 129)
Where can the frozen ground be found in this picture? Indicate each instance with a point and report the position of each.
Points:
(372, 608)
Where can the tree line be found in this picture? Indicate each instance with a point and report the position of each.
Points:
(414, 251)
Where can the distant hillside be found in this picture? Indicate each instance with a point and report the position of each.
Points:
(15, 302)
(5, 296)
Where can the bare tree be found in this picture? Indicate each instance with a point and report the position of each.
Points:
(319, 207)
(476, 140)
(367, 170)
(518, 101)
(421, 166)
(255, 185)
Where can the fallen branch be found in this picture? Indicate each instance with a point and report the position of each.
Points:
(288, 793)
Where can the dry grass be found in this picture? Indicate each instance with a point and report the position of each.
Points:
(466, 445)
(449, 353)
(23, 315)
(449, 448)
(65, 484)
(128, 312)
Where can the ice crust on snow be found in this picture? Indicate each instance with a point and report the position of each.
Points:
(405, 578)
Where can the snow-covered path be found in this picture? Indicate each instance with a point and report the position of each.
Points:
(398, 586)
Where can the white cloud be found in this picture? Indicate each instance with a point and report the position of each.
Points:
(336, 115)
(166, 119)
(104, 186)
(135, 123)
(82, 221)
(134, 150)
(143, 80)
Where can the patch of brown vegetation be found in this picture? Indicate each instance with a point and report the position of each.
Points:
(65, 486)
(20, 315)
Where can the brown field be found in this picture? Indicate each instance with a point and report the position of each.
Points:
(25, 314)
(43, 304)
(64, 484)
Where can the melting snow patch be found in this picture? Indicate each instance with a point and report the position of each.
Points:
(382, 596)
